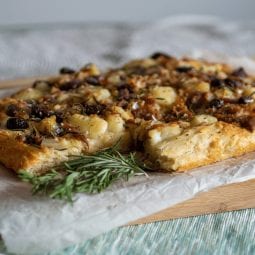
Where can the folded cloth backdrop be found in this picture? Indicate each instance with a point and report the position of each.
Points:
(33, 51)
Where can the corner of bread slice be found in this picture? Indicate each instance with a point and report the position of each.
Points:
(19, 156)
(179, 149)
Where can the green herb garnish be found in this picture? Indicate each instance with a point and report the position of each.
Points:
(87, 173)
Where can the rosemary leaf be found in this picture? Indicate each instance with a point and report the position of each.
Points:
(87, 173)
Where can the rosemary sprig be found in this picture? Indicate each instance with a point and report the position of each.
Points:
(87, 173)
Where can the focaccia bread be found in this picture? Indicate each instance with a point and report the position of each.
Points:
(178, 113)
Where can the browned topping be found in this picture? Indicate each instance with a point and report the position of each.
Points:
(33, 139)
(93, 109)
(40, 111)
(196, 102)
(245, 100)
(240, 72)
(183, 69)
(249, 123)
(59, 116)
(147, 110)
(73, 84)
(216, 103)
(217, 83)
(232, 83)
(160, 54)
(66, 70)
(12, 110)
(93, 80)
(199, 87)
(179, 111)
(16, 123)
(125, 92)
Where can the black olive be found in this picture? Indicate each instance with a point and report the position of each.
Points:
(33, 139)
(66, 70)
(59, 117)
(93, 109)
(216, 103)
(217, 83)
(183, 69)
(40, 112)
(93, 80)
(12, 110)
(37, 112)
(245, 100)
(70, 85)
(240, 72)
(232, 83)
(16, 123)
(157, 55)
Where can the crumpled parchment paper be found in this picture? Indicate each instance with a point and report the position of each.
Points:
(34, 224)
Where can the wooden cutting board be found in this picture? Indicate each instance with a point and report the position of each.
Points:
(221, 199)
(230, 197)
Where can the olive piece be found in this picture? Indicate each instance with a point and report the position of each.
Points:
(245, 100)
(70, 85)
(217, 83)
(59, 117)
(33, 139)
(40, 112)
(16, 123)
(12, 110)
(66, 70)
(93, 109)
(157, 55)
(37, 112)
(232, 83)
(183, 69)
(93, 80)
(240, 72)
(216, 103)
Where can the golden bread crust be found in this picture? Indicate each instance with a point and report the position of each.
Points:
(202, 145)
(19, 156)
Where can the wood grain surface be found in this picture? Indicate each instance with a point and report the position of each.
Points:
(20, 83)
(221, 199)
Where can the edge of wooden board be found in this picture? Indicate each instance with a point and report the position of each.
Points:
(21, 82)
(225, 198)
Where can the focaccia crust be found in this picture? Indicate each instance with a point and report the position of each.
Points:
(178, 113)
(201, 145)
(19, 156)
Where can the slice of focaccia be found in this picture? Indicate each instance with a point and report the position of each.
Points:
(178, 113)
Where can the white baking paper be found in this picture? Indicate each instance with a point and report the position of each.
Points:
(33, 224)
